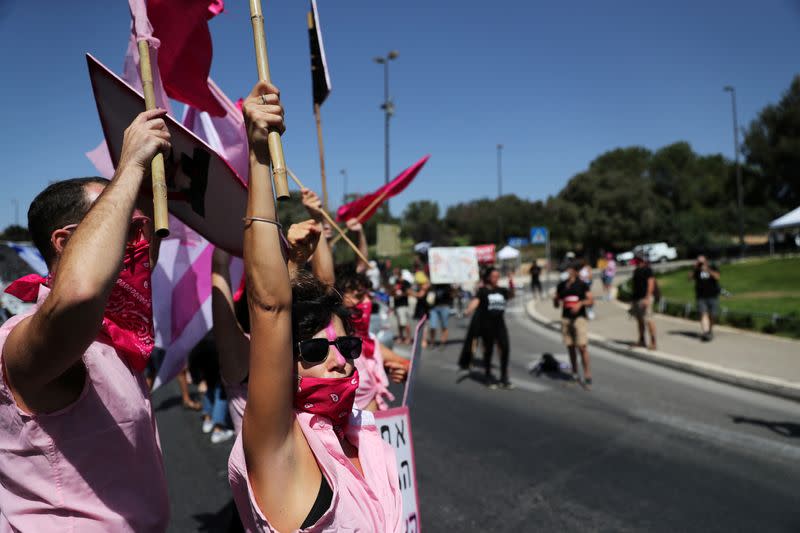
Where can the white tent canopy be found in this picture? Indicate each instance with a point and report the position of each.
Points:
(787, 221)
(508, 252)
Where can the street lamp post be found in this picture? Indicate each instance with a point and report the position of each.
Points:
(739, 193)
(499, 193)
(499, 170)
(388, 110)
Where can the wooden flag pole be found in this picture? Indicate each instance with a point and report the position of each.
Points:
(332, 223)
(375, 202)
(274, 138)
(160, 218)
(321, 157)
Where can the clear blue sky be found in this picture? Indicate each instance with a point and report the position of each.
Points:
(556, 84)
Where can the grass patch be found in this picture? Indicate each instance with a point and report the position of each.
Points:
(759, 286)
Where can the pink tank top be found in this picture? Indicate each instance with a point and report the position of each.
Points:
(360, 503)
(237, 400)
(94, 466)
(373, 382)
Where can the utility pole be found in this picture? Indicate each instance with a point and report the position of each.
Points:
(739, 192)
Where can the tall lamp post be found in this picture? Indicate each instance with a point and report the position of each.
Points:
(388, 111)
(499, 193)
(739, 193)
(343, 172)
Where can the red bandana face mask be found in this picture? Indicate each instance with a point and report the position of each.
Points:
(360, 322)
(332, 398)
(128, 317)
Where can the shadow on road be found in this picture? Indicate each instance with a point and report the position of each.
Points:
(168, 403)
(684, 333)
(784, 429)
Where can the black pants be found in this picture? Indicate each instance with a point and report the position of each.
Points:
(496, 332)
(466, 350)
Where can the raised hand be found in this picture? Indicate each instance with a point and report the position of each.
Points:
(312, 204)
(354, 225)
(262, 110)
(144, 138)
(303, 238)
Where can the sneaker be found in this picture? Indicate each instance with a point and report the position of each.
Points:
(506, 384)
(587, 382)
(491, 381)
(221, 435)
(208, 425)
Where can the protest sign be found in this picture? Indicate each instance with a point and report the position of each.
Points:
(486, 253)
(388, 240)
(453, 265)
(395, 428)
(203, 191)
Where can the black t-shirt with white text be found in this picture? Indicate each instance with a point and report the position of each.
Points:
(705, 286)
(492, 302)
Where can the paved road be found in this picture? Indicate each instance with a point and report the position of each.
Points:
(647, 449)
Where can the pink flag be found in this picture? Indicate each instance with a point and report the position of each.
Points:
(361, 208)
(183, 271)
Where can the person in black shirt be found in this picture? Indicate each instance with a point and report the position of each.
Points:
(400, 291)
(706, 289)
(575, 296)
(536, 285)
(490, 303)
(644, 285)
(440, 313)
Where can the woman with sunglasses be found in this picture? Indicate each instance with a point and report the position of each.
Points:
(304, 459)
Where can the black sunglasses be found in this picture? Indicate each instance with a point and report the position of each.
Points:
(316, 350)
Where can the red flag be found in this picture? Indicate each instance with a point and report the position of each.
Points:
(363, 208)
(184, 57)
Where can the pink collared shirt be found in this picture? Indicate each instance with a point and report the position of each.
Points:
(368, 503)
(94, 466)
(373, 382)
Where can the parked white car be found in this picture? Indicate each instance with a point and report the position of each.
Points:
(656, 252)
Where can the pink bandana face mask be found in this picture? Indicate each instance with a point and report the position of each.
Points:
(360, 321)
(128, 317)
(332, 398)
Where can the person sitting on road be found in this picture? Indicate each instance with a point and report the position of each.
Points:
(574, 296)
(305, 458)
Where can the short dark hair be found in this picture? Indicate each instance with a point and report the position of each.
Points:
(488, 273)
(60, 204)
(314, 304)
(349, 279)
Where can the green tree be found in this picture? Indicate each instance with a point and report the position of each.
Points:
(772, 146)
(420, 221)
(15, 232)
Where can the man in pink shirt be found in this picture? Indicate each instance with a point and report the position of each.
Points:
(79, 449)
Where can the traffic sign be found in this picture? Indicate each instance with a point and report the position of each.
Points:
(539, 235)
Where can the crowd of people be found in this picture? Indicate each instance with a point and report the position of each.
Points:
(293, 369)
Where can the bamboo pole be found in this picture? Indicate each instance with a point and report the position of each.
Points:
(160, 217)
(321, 156)
(332, 222)
(273, 138)
(375, 202)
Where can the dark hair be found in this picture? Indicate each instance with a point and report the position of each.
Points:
(314, 304)
(60, 204)
(349, 279)
(488, 273)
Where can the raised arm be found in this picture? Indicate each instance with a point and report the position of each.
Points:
(322, 260)
(233, 346)
(303, 238)
(268, 417)
(356, 227)
(44, 346)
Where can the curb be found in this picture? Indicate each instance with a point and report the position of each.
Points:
(764, 384)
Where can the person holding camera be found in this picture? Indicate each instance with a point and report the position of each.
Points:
(706, 289)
